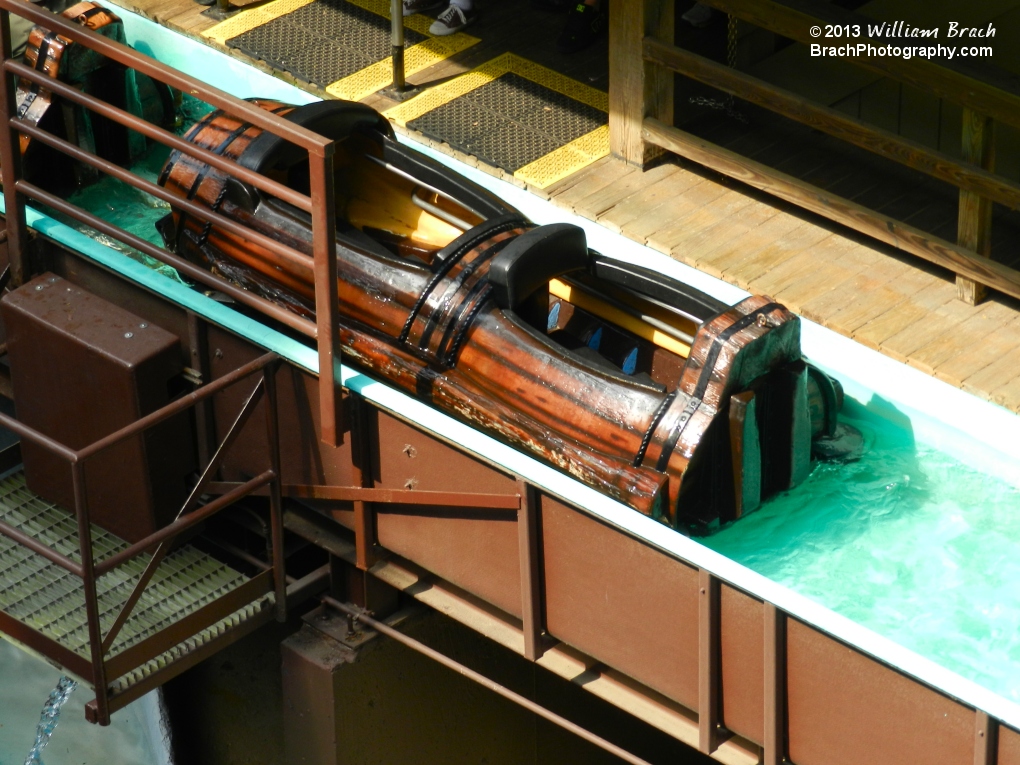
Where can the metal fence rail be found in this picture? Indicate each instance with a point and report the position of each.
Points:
(320, 201)
(104, 668)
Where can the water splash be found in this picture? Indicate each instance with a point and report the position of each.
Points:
(49, 718)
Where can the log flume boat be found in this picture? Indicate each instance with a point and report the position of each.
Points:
(685, 408)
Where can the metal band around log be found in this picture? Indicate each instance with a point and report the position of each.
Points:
(667, 430)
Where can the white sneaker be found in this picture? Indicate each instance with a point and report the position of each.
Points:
(453, 19)
(699, 16)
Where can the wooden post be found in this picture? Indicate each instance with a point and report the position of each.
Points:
(637, 89)
(974, 229)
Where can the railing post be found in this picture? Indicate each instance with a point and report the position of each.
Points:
(326, 294)
(974, 228)
(986, 739)
(638, 88)
(198, 340)
(91, 596)
(709, 669)
(774, 751)
(361, 474)
(531, 586)
(10, 161)
(275, 493)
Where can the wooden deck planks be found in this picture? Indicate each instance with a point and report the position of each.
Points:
(891, 303)
(950, 332)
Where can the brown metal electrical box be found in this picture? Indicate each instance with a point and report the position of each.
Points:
(83, 368)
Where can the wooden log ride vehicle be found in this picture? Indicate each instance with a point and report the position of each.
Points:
(62, 59)
(684, 408)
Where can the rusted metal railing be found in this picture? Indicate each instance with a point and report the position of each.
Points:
(319, 202)
(102, 667)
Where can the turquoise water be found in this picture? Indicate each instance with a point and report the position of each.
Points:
(908, 542)
(25, 684)
(131, 209)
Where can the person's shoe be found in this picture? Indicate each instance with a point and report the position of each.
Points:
(412, 7)
(699, 16)
(453, 19)
(584, 24)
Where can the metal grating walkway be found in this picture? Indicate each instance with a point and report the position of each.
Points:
(51, 600)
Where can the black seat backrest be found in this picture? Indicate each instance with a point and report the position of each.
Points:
(532, 259)
(683, 298)
(333, 119)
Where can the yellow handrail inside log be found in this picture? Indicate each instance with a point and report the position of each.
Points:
(604, 310)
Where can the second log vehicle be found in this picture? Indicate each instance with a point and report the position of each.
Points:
(685, 408)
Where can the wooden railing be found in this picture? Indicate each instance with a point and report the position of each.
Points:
(643, 59)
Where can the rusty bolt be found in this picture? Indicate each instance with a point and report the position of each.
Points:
(218, 353)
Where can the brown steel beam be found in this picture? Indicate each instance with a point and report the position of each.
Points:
(47, 646)
(176, 667)
(709, 669)
(190, 625)
(384, 496)
(327, 305)
(986, 739)
(477, 677)
(182, 524)
(531, 575)
(361, 468)
(198, 348)
(91, 595)
(178, 405)
(404, 496)
(275, 495)
(775, 685)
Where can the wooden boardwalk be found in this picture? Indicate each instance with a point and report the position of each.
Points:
(892, 303)
(896, 304)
